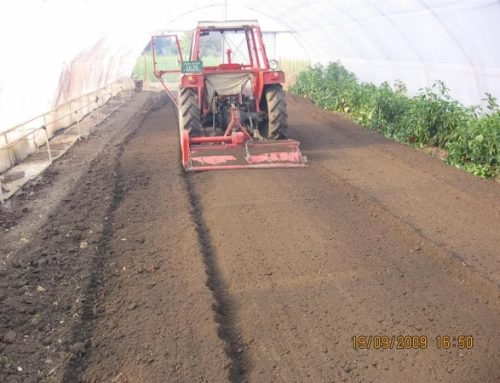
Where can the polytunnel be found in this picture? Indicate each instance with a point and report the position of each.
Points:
(57, 50)
(308, 193)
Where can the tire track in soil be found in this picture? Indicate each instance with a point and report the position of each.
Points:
(161, 261)
(453, 209)
(83, 329)
(224, 308)
(290, 299)
(323, 259)
(41, 286)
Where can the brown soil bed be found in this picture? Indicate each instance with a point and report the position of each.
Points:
(139, 272)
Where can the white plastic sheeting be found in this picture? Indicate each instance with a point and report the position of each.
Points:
(54, 50)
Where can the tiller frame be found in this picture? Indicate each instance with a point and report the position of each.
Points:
(237, 136)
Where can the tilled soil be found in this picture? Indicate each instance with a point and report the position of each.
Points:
(145, 274)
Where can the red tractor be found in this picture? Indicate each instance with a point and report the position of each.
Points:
(231, 103)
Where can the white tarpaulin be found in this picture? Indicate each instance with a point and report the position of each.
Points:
(54, 50)
(227, 84)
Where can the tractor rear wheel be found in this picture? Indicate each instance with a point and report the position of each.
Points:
(189, 112)
(277, 114)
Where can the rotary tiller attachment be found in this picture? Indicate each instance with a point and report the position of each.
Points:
(238, 151)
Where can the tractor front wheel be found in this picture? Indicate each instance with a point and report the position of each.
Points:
(277, 114)
(189, 112)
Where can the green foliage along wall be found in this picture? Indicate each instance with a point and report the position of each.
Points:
(470, 135)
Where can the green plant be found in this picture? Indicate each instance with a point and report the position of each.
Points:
(431, 118)
(476, 146)
(5, 361)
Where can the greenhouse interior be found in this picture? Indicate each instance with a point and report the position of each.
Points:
(263, 191)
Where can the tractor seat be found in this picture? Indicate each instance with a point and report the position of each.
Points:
(232, 66)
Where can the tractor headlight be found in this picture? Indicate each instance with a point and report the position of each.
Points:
(273, 64)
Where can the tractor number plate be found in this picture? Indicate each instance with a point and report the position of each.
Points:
(192, 66)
